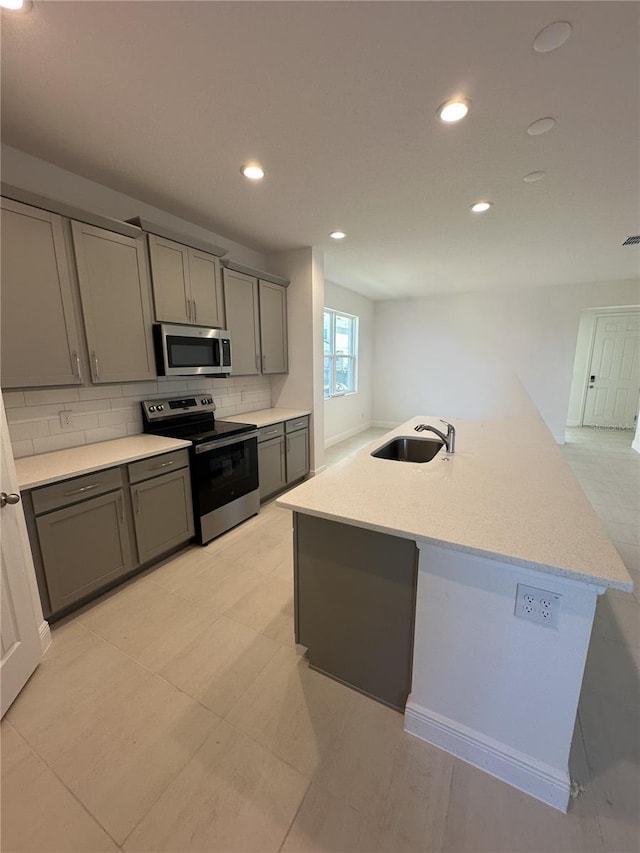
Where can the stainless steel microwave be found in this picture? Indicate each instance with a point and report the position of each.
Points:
(191, 350)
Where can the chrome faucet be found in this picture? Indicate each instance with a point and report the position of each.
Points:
(449, 439)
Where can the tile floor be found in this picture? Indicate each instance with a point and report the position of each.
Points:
(176, 714)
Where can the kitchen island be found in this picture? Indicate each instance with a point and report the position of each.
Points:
(501, 519)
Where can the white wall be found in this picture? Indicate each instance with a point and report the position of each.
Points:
(446, 354)
(582, 359)
(301, 388)
(347, 415)
(30, 173)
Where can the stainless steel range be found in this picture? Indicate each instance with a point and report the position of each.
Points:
(223, 460)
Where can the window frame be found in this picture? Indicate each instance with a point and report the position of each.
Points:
(334, 313)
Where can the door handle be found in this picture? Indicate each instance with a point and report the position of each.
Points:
(257, 363)
(195, 311)
(76, 358)
(8, 499)
(96, 366)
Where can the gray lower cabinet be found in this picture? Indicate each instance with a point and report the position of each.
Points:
(271, 466)
(89, 531)
(162, 513)
(84, 547)
(283, 455)
(297, 450)
(354, 599)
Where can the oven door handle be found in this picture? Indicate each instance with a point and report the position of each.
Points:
(214, 445)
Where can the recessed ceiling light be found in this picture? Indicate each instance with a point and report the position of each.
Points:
(337, 235)
(532, 177)
(252, 171)
(481, 206)
(540, 126)
(552, 37)
(453, 110)
(16, 5)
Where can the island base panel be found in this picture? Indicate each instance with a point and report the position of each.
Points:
(355, 605)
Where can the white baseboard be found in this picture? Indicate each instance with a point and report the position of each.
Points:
(315, 471)
(527, 774)
(45, 636)
(560, 439)
(574, 423)
(349, 433)
(635, 444)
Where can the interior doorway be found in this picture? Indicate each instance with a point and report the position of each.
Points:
(605, 390)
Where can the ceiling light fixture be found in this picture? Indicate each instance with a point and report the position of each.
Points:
(252, 171)
(540, 126)
(16, 5)
(481, 206)
(532, 177)
(337, 235)
(552, 37)
(453, 110)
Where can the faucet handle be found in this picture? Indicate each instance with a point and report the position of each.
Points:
(447, 424)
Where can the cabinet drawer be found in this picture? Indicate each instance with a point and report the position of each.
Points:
(297, 423)
(155, 465)
(271, 431)
(77, 489)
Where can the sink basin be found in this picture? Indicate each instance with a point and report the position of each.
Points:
(406, 448)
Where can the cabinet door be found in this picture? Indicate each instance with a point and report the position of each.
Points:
(241, 302)
(297, 455)
(273, 327)
(40, 343)
(271, 466)
(116, 303)
(206, 289)
(84, 547)
(162, 513)
(170, 275)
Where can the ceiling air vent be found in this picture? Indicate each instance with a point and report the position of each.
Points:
(632, 241)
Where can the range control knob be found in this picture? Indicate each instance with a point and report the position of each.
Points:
(204, 401)
(160, 408)
(152, 408)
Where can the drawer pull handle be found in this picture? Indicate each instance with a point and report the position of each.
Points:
(163, 465)
(271, 432)
(81, 490)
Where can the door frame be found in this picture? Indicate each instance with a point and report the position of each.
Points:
(599, 313)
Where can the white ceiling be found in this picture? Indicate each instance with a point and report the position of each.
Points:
(165, 101)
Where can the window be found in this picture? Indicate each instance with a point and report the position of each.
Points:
(340, 335)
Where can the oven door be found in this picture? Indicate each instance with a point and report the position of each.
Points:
(223, 471)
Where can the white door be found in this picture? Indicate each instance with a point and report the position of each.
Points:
(614, 375)
(19, 629)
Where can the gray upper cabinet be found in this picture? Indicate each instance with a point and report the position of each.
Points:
(116, 303)
(243, 321)
(257, 320)
(187, 285)
(40, 342)
(273, 327)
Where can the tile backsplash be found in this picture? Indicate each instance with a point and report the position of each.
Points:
(101, 412)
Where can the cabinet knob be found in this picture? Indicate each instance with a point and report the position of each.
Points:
(8, 499)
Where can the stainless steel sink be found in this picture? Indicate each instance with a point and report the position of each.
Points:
(406, 448)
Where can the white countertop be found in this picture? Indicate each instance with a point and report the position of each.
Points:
(46, 468)
(266, 417)
(506, 493)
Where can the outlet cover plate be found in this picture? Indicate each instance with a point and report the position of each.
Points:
(538, 605)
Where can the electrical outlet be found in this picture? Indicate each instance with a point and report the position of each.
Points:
(538, 605)
(65, 419)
